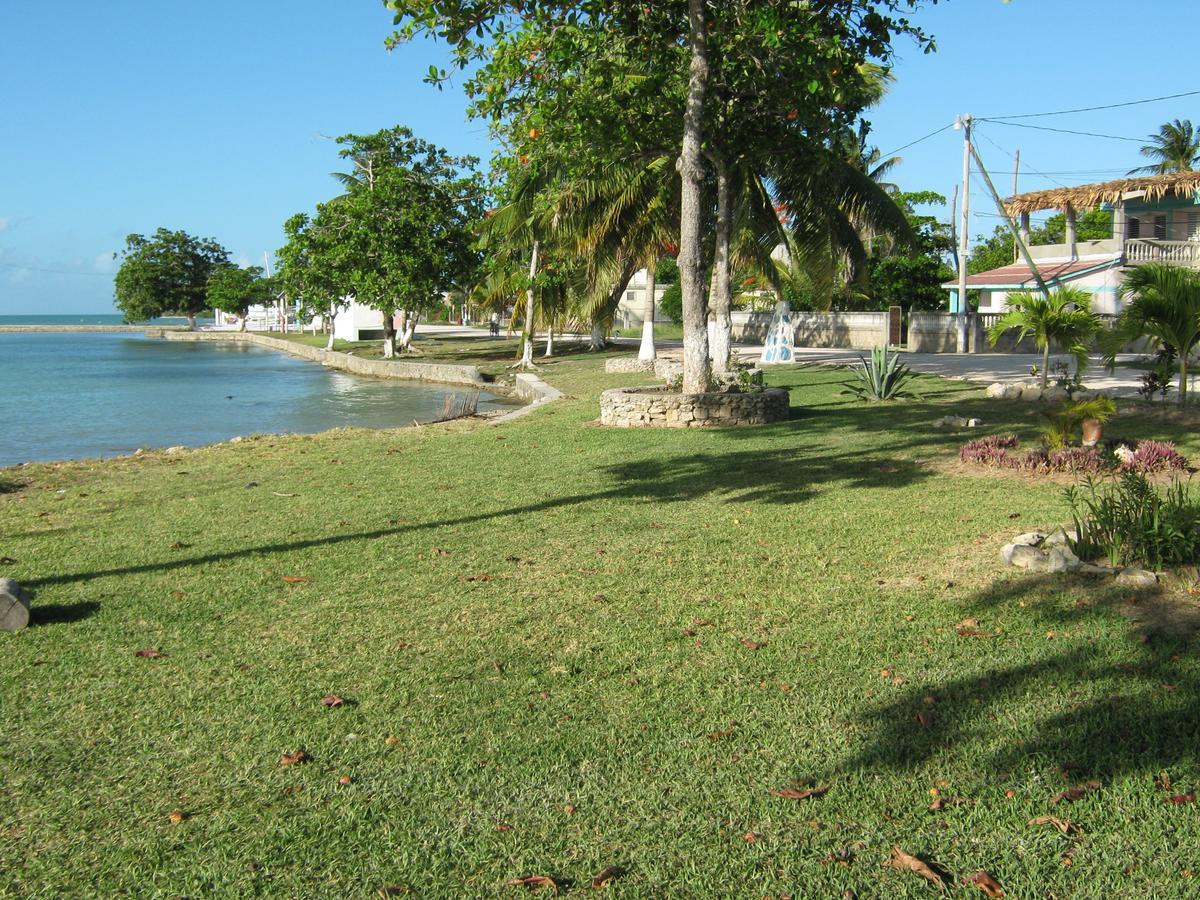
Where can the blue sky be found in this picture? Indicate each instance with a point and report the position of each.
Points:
(124, 116)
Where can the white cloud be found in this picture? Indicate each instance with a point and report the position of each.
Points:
(16, 276)
(5, 222)
(103, 262)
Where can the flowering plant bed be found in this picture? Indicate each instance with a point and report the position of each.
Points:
(1145, 457)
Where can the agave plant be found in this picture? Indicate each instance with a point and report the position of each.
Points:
(880, 378)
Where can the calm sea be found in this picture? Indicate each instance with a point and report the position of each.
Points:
(88, 319)
(80, 395)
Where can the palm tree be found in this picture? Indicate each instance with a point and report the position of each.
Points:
(1165, 308)
(1064, 318)
(1176, 148)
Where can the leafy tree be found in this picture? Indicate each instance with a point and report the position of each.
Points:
(314, 266)
(234, 290)
(1064, 318)
(1166, 308)
(166, 275)
(405, 226)
(1176, 148)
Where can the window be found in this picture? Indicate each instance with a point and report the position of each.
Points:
(1193, 226)
(1160, 227)
(1134, 227)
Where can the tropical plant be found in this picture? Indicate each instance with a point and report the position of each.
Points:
(1064, 318)
(1129, 522)
(1062, 427)
(881, 378)
(1165, 308)
(1176, 148)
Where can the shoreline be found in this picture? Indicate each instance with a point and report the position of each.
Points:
(85, 329)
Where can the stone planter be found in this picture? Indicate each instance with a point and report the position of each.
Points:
(653, 407)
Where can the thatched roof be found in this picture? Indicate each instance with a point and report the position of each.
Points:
(1091, 196)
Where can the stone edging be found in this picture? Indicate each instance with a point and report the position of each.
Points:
(347, 362)
(652, 407)
(1042, 552)
(535, 392)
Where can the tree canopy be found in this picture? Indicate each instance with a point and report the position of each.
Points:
(166, 275)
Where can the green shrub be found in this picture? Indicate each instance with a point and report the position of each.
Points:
(880, 378)
(1130, 522)
(1062, 427)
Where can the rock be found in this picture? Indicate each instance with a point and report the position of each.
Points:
(1089, 569)
(1062, 538)
(956, 422)
(974, 423)
(1013, 392)
(1056, 394)
(997, 391)
(1070, 561)
(1136, 578)
(236, 440)
(139, 452)
(1024, 556)
(14, 606)
(1031, 394)
(175, 450)
(1029, 539)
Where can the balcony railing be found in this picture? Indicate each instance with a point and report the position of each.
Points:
(1171, 253)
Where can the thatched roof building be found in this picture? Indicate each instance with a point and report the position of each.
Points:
(1147, 188)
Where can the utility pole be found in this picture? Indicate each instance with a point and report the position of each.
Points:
(963, 123)
(1029, 260)
(1016, 172)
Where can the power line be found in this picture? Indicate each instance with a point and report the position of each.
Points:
(1012, 156)
(1082, 109)
(1111, 137)
(918, 140)
(20, 267)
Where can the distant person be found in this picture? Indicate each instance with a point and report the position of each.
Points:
(494, 324)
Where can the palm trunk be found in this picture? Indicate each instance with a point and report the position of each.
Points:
(721, 300)
(549, 340)
(1045, 364)
(1183, 377)
(527, 350)
(696, 369)
(647, 350)
(596, 341)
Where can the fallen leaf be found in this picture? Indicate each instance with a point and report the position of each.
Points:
(750, 837)
(345, 780)
(332, 700)
(703, 623)
(723, 733)
(967, 623)
(535, 882)
(604, 876)
(149, 653)
(1064, 825)
(296, 579)
(177, 816)
(750, 645)
(293, 758)
(391, 740)
(800, 793)
(476, 577)
(974, 632)
(569, 809)
(925, 718)
(985, 883)
(1077, 793)
(908, 863)
(1182, 798)
(501, 826)
(842, 856)
(438, 551)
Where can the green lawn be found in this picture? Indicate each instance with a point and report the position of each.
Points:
(565, 648)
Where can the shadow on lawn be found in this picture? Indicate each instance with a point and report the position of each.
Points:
(778, 476)
(1147, 721)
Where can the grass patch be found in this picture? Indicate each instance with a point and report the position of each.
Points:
(565, 648)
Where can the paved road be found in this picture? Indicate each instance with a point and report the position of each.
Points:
(984, 368)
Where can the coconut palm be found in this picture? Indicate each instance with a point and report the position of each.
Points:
(1064, 318)
(1176, 148)
(1165, 308)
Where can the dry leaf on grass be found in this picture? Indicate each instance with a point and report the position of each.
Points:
(941, 803)
(909, 863)
(985, 883)
(149, 653)
(1078, 792)
(176, 816)
(1064, 825)
(296, 579)
(604, 876)
(476, 577)
(925, 718)
(332, 700)
(751, 645)
(1182, 798)
(293, 758)
(501, 826)
(801, 793)
(723, 733)
(535, 882)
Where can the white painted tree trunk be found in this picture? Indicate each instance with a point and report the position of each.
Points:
(549, 341)
(647, 350)
(408, 327)
(696, 370)
(527, 349)
(597, 340)
(242, 322)
(328, 323)
(389, 336)
(191, 317)
(721, 299)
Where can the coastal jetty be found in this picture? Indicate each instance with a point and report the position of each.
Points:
(442, 373)
(75, 329)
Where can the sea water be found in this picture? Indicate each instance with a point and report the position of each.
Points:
(79, 395)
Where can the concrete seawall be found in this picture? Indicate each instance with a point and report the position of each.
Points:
(87, 329)
(442, 373)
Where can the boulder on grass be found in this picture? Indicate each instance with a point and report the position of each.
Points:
(14, 606)
(1139, 579)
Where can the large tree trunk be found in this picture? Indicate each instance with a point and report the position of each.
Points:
(389, 336)
(191, 317)
(328, 323)
(696, 370)
(242, 320)
(647, 350)
(721, 300)
(597, 340)
(408, 327)
(549, 340)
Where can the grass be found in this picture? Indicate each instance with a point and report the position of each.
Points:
(565, 648)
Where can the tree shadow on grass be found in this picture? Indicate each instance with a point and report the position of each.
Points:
(61, 613)
(777, 476)
(1109, 711)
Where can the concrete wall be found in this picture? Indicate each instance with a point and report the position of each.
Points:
(377, 368)
(853, 330)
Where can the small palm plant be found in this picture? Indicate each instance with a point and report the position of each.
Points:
(1165, 308)
(1064, 318)
(880, 378)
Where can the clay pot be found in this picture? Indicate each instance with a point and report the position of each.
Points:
(1093, 431)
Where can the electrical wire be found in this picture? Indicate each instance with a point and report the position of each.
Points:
(1013, 157)
(1111, 137)
(20, 267)
(917, 141)
(1082, 109)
